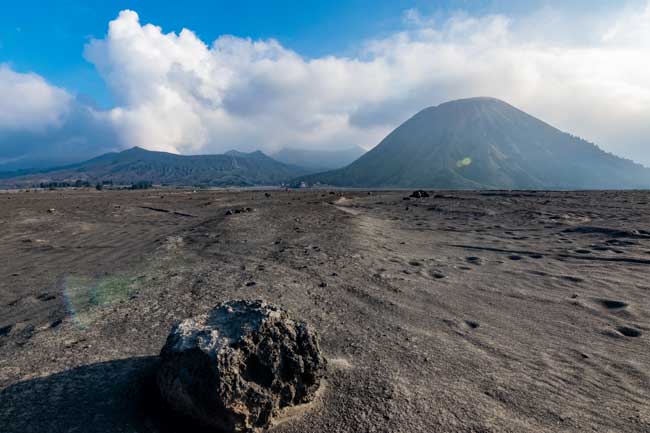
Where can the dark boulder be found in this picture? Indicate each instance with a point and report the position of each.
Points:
(419, 194)
(236, 367)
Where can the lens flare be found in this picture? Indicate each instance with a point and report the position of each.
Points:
(84, 295)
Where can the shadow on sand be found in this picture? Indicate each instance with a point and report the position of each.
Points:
(114, 396)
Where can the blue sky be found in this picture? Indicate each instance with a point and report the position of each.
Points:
(78, 78)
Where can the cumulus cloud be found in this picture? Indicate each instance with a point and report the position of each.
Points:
(584, 74)
(178, 94)
(28, 102)
(42, 125)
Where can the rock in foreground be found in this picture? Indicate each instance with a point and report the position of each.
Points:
(237, 366)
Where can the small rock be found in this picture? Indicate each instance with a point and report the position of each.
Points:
(419, 194)
(236, 367)
(51, 210)
(23, 332)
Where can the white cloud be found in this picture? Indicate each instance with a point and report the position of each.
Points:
(177, 93)
(41, 124)
(28, 102)
(585, 74)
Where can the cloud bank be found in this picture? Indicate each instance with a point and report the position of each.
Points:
(28, 102)
(586, 75)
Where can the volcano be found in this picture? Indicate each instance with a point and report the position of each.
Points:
(484, 143)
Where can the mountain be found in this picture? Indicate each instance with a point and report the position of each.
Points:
(137, 165)
(319, 160)
(484, 143)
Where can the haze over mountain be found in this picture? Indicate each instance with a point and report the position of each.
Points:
(319, 160)
(137, 164)
(485, 143)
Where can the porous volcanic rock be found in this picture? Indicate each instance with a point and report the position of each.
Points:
(236, 367)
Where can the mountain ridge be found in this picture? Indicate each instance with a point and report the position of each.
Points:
(137, 164)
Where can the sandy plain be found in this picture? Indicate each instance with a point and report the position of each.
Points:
(462, 312)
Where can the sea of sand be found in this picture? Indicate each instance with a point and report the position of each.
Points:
(476, 311)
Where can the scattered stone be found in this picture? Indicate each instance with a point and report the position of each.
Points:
(238, 211)
(51, 210)
(236, 367)
(23, 333)
(419, 194)
(250, 284)
(267, 195)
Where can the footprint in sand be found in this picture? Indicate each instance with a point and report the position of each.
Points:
(472, 324)
(46, 297)
(438, 275)
(612, 304)
(572, 278)
(629, 331)
(5, 330)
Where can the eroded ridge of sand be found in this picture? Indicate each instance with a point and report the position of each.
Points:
(461, 312)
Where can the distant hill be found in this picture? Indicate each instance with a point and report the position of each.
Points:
(319, 160)
(140, 165)
(484, 143)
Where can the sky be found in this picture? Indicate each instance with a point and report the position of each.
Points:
(79, 78)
